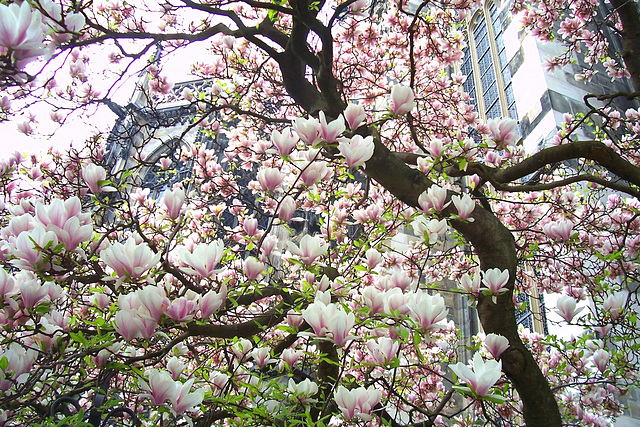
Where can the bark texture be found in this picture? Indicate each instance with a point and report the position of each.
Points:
(628, 13)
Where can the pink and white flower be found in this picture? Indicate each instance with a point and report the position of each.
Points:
(160, 387)
(402, 100)
(601, 359)
(314, 172)
(131, 260)
(495, 282)
(356, 150)
(309, 130)
(614, 304)
(309, 250)
(302, 390)
(182, 309)
(182, 400)
(358, 402)
(566, 308)
(287, 208)
(65, 219)
(483, 376)
(331, 131)
(428, 310)
(433, 199)
(270, 178)
(465, 206)
(503, 132)
(355, 115)
(383, 350)
(203, 259)
(173, 199)
(212, 301)
(21, 28)
(559, 230)
(285, 142)
(92, 175)
(253, 268)
(496, 345)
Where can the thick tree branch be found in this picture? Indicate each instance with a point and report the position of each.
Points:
(628, 13)
(495, 248)
(245, 329)
(591, 150)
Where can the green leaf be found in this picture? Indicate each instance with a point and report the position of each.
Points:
(79, 338)
(495, 398)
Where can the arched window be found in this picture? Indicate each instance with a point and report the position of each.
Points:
(486, 65)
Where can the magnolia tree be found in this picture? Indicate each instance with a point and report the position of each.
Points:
(203, 306)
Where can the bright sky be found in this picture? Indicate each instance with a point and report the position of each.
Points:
(76, 131)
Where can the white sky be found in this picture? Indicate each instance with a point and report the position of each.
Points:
(76, 131)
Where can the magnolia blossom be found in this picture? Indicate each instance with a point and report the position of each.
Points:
(431, 230)
(434, 198)
(253, 268)
(65, 219)
(241, 348)
(131, 325)
(7, 284)
(358, 402)
(92, 175)
(175, 367)
(383, 350)
(496, 344)
(495, 282)
(32, 292)
(21, 29)
(173, 200)
(435, 148)
(309, 250)
(290, 356)
(329, 320)
(203, 259)
(309, 130)
(356, 150)
(470, 284)
(183, 401)
(374, 299)
(19, 363)
(287, 208)
(464, 205)
(355, 115)
(428, 310)
(132, 260)
(402, 100)
(314, 172)
(270, 178)
(566, 308)
(285, 142)
(261, 356)
(212, 301)
(614, 304)
(601, 359)
(373, 257)
(27, 249)
(560, 230)
(302, 390)
(182, 309)
(155, 300)
(395, 301)
(161, 387)
(483, 376)
(503, 131)
(331, 131)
